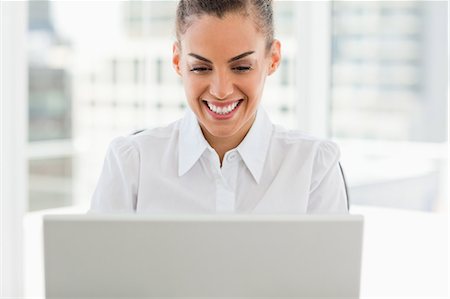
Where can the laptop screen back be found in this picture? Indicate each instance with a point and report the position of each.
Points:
(95, 256)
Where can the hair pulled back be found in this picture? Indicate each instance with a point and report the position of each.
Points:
(260, 10)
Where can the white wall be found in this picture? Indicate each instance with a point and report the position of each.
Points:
(13, 176)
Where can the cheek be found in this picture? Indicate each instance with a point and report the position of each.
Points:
(252, 85)
(193, 86)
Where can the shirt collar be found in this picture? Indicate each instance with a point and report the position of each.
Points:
(191, 142)
(253, 149)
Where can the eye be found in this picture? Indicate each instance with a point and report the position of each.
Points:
(200, 69)
(242, 69)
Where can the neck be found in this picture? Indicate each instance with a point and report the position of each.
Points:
(223, 144)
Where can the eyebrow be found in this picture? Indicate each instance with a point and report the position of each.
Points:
(230, 60)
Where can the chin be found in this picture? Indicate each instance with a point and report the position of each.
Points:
(221, 132)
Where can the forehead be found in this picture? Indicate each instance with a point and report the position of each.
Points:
(222, 38)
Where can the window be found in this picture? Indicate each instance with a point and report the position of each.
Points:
(50, 101)
(91, 81)
(389, 100)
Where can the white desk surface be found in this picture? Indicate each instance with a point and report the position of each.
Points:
(405, 254)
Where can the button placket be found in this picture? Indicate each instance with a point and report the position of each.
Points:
(225, 194)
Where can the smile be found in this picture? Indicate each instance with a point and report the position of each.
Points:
(224, 110)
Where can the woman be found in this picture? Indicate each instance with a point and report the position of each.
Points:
(224, 156)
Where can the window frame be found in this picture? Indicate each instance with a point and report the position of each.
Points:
(14, 118)
(313, 66)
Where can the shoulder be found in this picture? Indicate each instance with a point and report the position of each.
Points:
(300, 141)
(158, 133)
(132, 146)
(142, 139)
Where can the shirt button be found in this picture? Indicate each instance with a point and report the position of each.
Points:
(231, 157)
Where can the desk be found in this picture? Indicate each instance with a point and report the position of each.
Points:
(405, 254)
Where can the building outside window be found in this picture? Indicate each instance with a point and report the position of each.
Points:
(389, 101)
(50, 124)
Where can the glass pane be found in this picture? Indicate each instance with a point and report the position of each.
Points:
(50, 111)
(389, 100)
(49, 103)
(48, 76)
(50, 183)
(379, 67)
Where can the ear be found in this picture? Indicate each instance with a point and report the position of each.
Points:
(275, 56)
(176, 57)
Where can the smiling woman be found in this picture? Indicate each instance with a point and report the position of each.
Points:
(230, 80)
(225, 155)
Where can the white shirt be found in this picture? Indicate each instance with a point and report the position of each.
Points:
(174, 170)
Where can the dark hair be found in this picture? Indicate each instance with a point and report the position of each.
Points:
(261, 10)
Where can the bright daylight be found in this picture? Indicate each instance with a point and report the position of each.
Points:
(179, 148)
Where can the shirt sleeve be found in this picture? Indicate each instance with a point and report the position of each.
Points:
(327, 193)
(117, 187)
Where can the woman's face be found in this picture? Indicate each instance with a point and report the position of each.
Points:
(223, 64)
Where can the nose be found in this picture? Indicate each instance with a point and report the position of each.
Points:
(221, 86)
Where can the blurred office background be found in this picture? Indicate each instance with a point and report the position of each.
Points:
(99, 70)
(372, 76)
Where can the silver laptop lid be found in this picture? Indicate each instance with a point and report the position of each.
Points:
(106, 256)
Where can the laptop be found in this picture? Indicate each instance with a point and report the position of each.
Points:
(209, 256)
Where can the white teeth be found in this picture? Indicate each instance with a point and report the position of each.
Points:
(222, 110)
